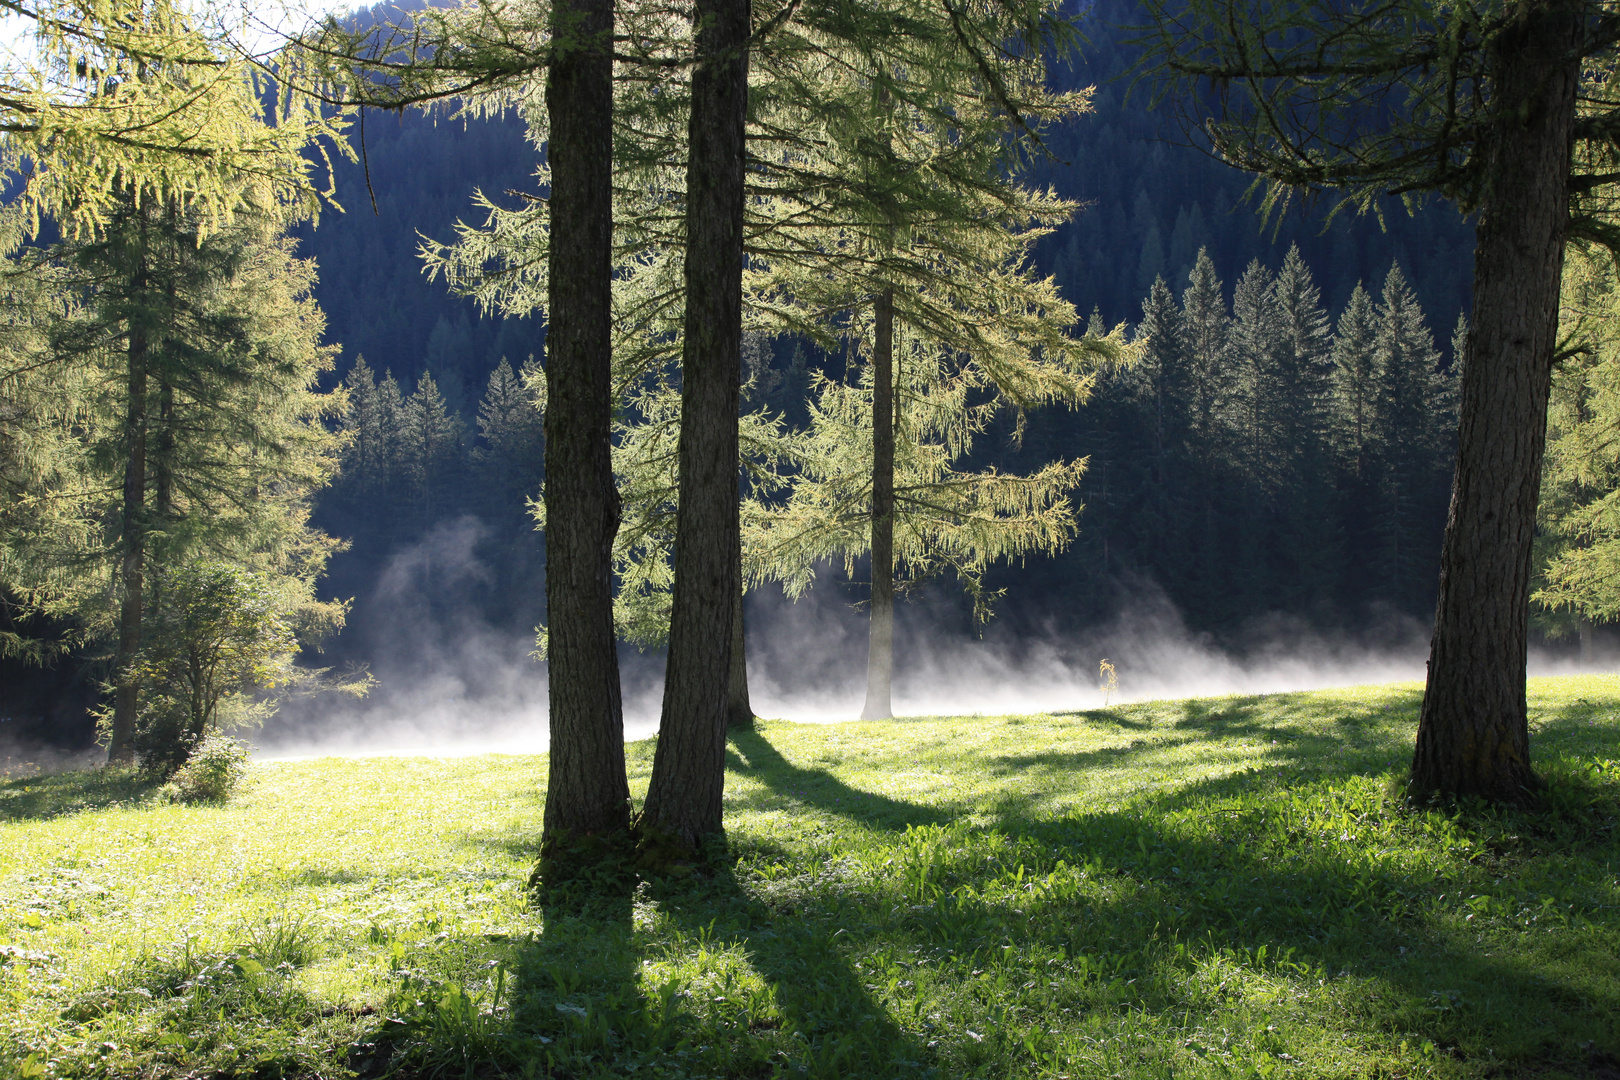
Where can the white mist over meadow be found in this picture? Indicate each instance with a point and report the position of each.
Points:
(454, 685)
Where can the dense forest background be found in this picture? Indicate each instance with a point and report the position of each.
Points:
(1152, 203)
(1221, 478)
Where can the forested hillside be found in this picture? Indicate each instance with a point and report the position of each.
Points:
(1330, 534)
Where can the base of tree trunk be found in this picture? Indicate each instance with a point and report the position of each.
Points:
(660, 852)
(571, 864)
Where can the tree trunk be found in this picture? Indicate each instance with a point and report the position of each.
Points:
(684, 797)
(587, 794)
(1473, 736)
(739, 710)
(163, 466)
(880, 643)
(132, 563)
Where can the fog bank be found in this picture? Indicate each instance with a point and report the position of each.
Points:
(451, 684)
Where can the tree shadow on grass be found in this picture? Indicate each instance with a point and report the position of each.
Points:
(1257, 886)
(1357, 742)
(730, 988)
(39, 798)
(721, 976)
(792, 786)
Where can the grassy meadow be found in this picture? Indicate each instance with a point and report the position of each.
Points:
(1225, 887)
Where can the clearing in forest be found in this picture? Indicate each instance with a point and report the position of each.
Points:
(1223, 887)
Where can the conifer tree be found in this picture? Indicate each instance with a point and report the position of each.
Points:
(149, 99)
(1206, 323)
(944, 520)
(430, 448)
(1159, 385)
(1578, 556)
(509, 421)
(684, 796)
(196, 356)
(1355, 386)
(1309, 543)
(812, 204)
(1407, 366)
(1256, 399)
(371, 426)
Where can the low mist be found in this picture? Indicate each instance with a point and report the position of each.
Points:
(451, 683)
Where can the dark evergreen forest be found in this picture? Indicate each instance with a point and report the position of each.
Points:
(1291, 456)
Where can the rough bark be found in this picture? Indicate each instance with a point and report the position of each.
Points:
(880, 643)
(587, 795)
(132, 557)
(1473, 737)
(684, 797)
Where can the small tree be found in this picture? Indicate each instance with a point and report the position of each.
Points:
(216, 634)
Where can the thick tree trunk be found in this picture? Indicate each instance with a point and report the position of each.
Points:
(1473, 738)
(684, 797)
(587, 795)
(739, 709)
(880, 642)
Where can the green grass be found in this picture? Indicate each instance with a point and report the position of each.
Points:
(1222, 888)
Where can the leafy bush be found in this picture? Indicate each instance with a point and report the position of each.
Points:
(217, 765)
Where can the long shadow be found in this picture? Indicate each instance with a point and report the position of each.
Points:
(1358, 744)
(586, 997)
(751, 754)
(51, 795)
(1234, 890)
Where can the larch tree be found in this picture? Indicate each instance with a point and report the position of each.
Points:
(1484, 105)
(145, 109)
(1578, 557)
(152, 98)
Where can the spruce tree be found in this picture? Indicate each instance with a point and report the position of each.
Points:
(430, 449)
(1159, 384)
(1309, 541)
(1206, 323)
(1208, 449)
(510, 457)
(1405, 364)
(1355, 386)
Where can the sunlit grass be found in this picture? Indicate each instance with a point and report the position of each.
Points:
(1223, 887)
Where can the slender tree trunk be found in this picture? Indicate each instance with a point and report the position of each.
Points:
(684, 796)
(880, 644)
(587, 794)
(132, 567)
(1473, 737)
(739, 709)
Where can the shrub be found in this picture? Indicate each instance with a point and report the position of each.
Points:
(217, 765)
